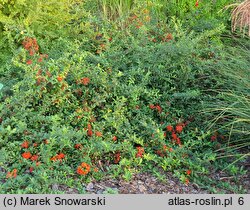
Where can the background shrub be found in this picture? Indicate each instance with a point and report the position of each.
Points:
(85, 96)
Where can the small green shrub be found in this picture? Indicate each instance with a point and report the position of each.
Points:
(82, 100)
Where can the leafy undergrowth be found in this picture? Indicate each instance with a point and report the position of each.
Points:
(126, 107)
(87, 95)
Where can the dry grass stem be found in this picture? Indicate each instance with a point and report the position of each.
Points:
(241, 17)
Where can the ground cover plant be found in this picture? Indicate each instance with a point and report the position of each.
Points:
(99, 89)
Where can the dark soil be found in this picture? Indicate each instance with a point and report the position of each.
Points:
(145, 183)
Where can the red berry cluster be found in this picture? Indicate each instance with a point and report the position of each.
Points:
(216, 136)
(156, 107)
(140, 152)
(175, 131)
(117, 157)
(164, 151)
(30, 45)
(83, 169)
(59, 156)
(85, 81)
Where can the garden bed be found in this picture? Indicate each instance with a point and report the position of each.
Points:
(143, 99)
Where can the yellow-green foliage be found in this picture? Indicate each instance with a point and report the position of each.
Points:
(44, 19)
(41, 16)
(113, 9)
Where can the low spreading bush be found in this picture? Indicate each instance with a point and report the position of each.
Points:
(101, 102)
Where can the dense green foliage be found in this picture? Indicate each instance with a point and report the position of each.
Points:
(144, 87)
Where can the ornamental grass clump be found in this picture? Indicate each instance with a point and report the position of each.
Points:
(241, 17)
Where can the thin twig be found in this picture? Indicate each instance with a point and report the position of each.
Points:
(232, 177)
